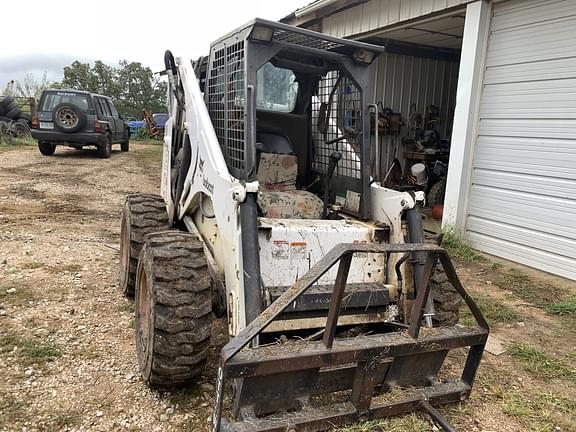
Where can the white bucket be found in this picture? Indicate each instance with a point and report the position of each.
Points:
(418, 171)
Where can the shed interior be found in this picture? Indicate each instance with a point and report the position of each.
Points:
(416, 82)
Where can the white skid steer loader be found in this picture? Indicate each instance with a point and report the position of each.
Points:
(272, 216)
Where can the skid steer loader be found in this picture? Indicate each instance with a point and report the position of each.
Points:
(273, 216)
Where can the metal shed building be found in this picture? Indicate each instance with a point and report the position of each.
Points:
(510, 98)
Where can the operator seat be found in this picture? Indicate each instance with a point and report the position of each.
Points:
(277, 172)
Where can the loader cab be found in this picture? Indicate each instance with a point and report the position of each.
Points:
(265, 84)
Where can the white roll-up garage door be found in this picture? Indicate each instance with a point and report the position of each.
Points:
(522, 202)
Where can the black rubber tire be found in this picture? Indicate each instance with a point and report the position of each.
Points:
(5, 101)
(447, 301)
(437, 193)
(105, 151)
(125, 145)
(21, 130)
(142, 214)
(173, 309)
(26, 117)
(14, 113)
(47, 149)
(73, 110)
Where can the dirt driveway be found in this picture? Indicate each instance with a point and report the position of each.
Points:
(67, 358)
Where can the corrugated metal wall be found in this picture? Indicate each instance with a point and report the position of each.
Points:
(522, 203)
(406, 80)
(376, 14)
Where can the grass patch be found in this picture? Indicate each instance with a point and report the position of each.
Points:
(457, 247)
(30, 350)
(30, 265)
(186, 398)
(540, 364)
(565, 307)
(21, 296)
(132, 323)
(9, 142)
(152, 152)
(494, 310)
(12, 410)
(541, 413)
(126, 306)
(541, 294)
(414, 422)
(61, 268)
(66, 420)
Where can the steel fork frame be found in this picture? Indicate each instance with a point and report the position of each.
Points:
(342, 254)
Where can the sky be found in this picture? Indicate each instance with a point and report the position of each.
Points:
(54, 34)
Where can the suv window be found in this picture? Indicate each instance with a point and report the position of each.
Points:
(104, 108)
(112, 108)
(53, 99)
(276, 89)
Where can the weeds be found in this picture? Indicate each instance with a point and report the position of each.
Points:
(31, 350)
(61, 268)
(151, 154)
(125, 306)
(457, 247)
(494, 310)
(540, 364)
(410, 423)
(16, 294)
(542, 413)
(31, 265)
(65, 420)
(11, 409)
(8, 142)
(565, 307)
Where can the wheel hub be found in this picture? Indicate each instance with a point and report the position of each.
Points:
(67, 117)
(143, 312)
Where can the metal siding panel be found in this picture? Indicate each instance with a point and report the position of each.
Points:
(536, 213)
(377, 14)
(548, 99)
(530, 256)
(522, 203)
(528, 183)
(538, 42)
(510, 15)
(544, 70)
(403, 80)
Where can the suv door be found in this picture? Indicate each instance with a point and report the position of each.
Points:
(105, 115)
(118, 122)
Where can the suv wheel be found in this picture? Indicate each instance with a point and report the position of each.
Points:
(105, 150)
(68, 118)
(125, 145)
(46, 149)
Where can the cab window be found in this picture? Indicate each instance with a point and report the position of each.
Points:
(277, 89)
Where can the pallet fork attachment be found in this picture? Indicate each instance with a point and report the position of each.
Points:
(279, 387)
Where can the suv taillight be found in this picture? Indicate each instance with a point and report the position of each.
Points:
(97, 126)
(35, 124)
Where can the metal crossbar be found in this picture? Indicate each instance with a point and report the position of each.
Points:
(324, 366)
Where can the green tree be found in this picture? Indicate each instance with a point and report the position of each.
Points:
(131, 85)
(30, 86)
(139, 89)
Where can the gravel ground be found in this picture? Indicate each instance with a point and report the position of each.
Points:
(67, 357)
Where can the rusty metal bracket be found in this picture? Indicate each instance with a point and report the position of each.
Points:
(360, 364)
